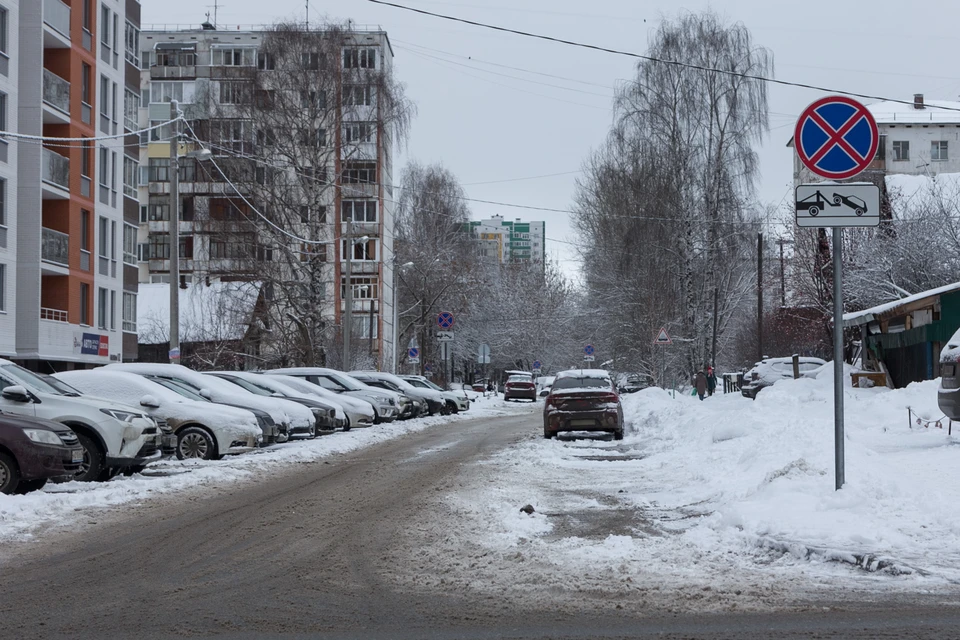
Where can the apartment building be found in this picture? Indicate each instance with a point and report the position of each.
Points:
(300, 175)
(511, 240)
(64, 72)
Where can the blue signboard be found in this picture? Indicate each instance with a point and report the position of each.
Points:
(836, 137)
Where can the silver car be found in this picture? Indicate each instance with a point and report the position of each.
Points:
(385, 403)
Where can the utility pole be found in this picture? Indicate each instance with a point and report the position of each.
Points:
(174, 353)
(760, 296)
(348, 310)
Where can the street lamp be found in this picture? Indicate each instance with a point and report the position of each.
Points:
(200, 154)
(348, 314)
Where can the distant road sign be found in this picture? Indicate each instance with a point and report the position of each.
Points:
(536, 364)
(445, 336)
(834, 204)
(588, 358)
(662, 337)
(483, 354)
(414, 353)
(836, 137)
(445, 320)
(588, 350)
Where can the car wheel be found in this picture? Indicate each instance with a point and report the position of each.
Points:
(92, 466)
(109, 474)
(346, 426)
(312, 432)
(452, 407)
(129, 471)
(26, 486)
(618, 435)
(548, 435)
(195, 443)
(9, 474)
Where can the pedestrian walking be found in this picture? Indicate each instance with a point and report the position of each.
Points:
(700, 382)
(711, 381)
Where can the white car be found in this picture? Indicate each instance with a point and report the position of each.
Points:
(385, 403)
(356, 411)
(766, 372)
(114, 436)
(289, 414)
(203, 429)
(456, 401)
(544, 383)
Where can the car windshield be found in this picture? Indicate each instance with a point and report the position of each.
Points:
(65, 389)
(182, 388)
(577, 382)
(31, 379)
(347, 382)
(519, 379)
(431, 385)
(249, 386)
(416, 382)
(299, 384)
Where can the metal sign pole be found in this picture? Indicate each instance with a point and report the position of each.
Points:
(838, 354)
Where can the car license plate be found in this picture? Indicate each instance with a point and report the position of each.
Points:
(582, 423)
(77, 455)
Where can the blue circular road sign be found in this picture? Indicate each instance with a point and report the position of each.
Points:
(836, 137)
(588, 349)
(536, 364)
(413, 353)
(445, 320)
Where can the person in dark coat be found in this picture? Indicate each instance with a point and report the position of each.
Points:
(700, 382)
(711, 381)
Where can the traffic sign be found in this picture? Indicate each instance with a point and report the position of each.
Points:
(588, 350)
(662, 337)
(174, 353)
(445, 336)
(536, 364)
(428, 368)
(588, 358)
(536, 372)
(483, 354)
(834, 204)
(445, 320)
(414, 353)
(836, 137)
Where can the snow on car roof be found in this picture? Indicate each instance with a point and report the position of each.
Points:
(584, 373)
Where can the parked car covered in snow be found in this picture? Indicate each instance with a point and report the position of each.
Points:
(33, 451)
(385, 403)
(948, 394)
(583, 400)
(408, 407)
(434, 400)
(520, 386)
(456, 402)
(114, 436)
(355, 412)
(544, 383)
(289, 414)
(768, 371)
(201, 429)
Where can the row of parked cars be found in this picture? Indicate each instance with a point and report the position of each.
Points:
(94, 424)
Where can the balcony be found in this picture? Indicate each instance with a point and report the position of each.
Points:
(56, 175)
(55, 247)
(56, 99)
(53, 315)
(56, 15)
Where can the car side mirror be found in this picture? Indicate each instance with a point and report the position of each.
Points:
(17, 393)
(149, 401)
(206, 394)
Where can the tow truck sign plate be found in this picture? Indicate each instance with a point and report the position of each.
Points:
(835, 204)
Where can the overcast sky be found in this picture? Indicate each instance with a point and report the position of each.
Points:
(497, 108)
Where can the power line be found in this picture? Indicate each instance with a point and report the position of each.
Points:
(630, 54)
(546, 175)
(28, 137)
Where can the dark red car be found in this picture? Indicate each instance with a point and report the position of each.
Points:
(583, 400)
(33, 451)
(520, 387)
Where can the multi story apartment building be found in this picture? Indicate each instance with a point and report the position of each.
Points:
(511, 241)
(301, 174)
(63, 71)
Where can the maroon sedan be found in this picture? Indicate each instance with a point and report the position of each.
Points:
(520, 387)
(33, 451)
(583, 400)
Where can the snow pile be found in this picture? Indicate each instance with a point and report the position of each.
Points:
(60, 505)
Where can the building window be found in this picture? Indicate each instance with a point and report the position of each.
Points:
(104, 238)
(360, 58)
(84, 230)
(129, 244)
(234, 57)
(3, 202)
(159, 246)
(311, 60)
(360, 173)
(113, 311)
(234, 92)
(129, 311)
(176, 58)
(3, 287)
(131, 110)
(166, 91)
(84, 303)
(101, 308)
(230, 249)
(104, 167)
(232, 134)
(131, 39)
(85, 71)
(355, 95)
(105, 27)
(362, 251)
(4, 21)
(313, 99)
(158, 170)
(358, 210)
(364, 288)
(359, 132)
(266, 61)
(938, 150)
(130, 168)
